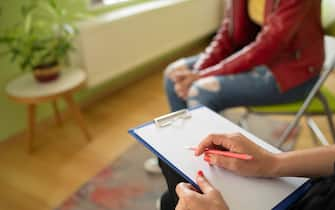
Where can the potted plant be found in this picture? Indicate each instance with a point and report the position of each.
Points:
(42, 40)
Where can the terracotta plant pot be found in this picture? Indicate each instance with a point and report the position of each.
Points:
(46, 72)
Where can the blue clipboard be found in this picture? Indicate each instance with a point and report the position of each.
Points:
(282, 205)
(294, 197)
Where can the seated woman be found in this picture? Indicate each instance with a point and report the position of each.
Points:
(266, 52)
(320, 163)
(253, 60)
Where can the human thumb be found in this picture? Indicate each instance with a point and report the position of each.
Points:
(203, 183)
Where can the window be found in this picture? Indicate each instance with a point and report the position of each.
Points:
(107, 2)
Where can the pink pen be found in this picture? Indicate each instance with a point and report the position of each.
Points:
(225, 153)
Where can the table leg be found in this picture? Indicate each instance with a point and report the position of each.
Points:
(75, 111)
(57, 113)
(31, 126)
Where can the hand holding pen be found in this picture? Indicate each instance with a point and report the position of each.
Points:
(223, 153)
(240, 155)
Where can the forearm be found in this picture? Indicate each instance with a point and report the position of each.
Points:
(305, 163)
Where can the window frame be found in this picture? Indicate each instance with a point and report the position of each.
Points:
(98, 8)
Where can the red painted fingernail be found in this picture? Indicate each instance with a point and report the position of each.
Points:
(207, 159)
(200, 173)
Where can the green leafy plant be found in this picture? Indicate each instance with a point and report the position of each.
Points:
(43, 37)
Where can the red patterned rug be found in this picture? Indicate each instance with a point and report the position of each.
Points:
(124, 185)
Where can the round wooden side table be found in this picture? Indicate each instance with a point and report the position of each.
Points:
(25, 89)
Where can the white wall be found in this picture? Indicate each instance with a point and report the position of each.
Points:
(112, 44)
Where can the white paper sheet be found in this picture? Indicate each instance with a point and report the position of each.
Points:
(240, 193)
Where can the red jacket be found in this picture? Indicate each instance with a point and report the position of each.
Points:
(290, 42)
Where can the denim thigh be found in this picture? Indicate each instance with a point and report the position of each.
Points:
(257, 87)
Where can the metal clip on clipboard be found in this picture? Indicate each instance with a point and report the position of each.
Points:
(168, 119)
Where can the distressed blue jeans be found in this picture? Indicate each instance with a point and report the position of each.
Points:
(252, 88)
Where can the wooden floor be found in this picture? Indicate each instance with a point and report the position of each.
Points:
(63, 160)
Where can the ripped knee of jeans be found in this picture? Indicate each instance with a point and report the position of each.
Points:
(203, 92)
(193, 91)
(192, 99)
(210, 84)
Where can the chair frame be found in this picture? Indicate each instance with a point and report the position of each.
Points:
(314, 93)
